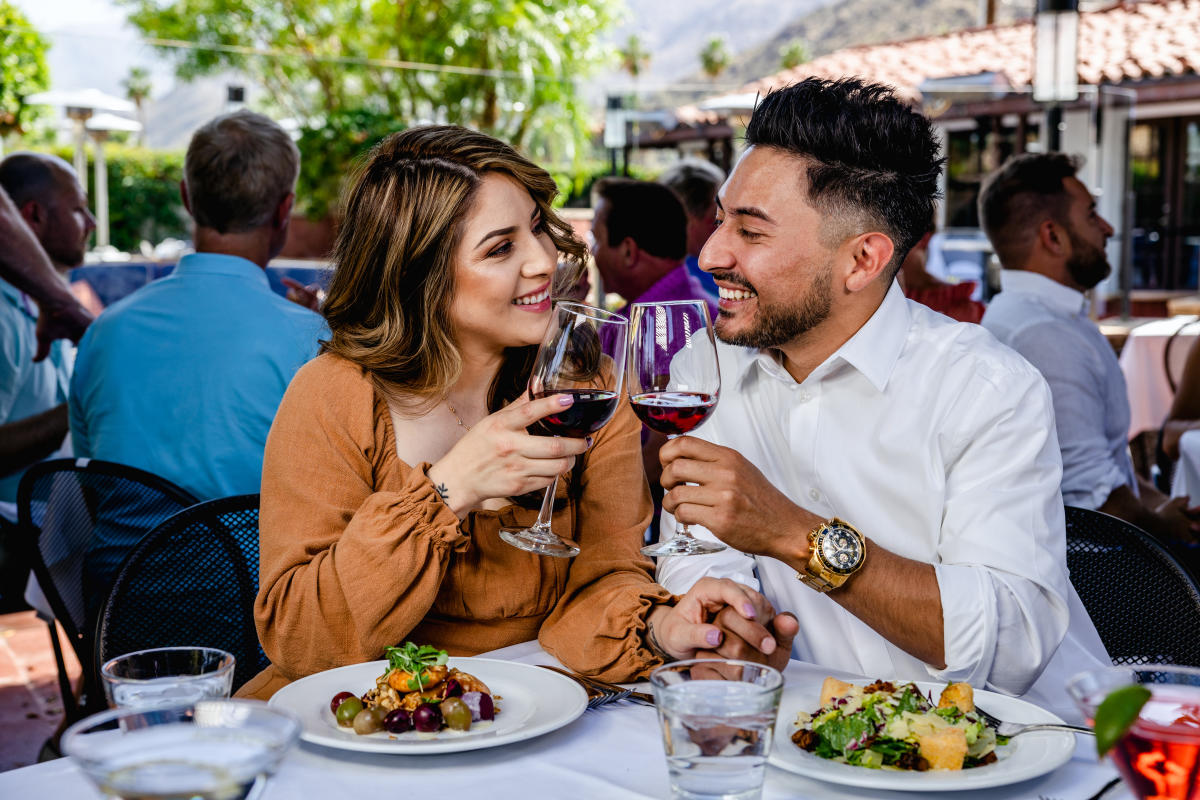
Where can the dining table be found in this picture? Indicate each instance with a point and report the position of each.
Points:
(1143, 364)
(612, 752)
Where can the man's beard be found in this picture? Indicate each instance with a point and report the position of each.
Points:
(1088, 264)
(778, 325)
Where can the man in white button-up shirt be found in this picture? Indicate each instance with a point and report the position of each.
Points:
(840, 398)
(1043, 224)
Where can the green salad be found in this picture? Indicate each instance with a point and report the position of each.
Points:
(895, 726)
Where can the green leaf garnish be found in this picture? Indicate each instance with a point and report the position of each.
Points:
(1116, 715)
(411, 658)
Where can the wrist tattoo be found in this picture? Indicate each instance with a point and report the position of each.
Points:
(655, 647)
(442, 491)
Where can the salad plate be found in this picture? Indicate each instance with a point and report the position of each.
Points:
(1024, 757)
(530, 701)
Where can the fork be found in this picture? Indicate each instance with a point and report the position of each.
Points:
(597, 696)
(612, 691)
(1011, 729)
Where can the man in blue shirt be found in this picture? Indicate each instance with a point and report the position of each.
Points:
(183, 377)
(33, 395)
(696, 182)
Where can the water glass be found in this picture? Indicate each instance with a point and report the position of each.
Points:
(210, 750)
(167, 675)
(1160, 755)
(717, 718)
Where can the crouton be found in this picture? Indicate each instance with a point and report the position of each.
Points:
(944, 749)
(832, 688)
(959, 695)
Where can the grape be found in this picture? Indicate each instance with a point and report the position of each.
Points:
(456, 714)
(369, 720)
(348, 710)
(338, 699)
(427, 718)
(452, 688)
(398, 721)
(480, 704)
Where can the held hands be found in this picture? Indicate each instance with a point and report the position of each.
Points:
(498, 458)
(732, 499)
(67, 321)
(720, 618)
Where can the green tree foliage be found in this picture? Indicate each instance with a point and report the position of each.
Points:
(143, 195)
(793, 54)
(23, 69)
(505, 66)
(714, 56)
(329, 152)
(634, 56)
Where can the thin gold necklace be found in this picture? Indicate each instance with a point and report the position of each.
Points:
(457, 418)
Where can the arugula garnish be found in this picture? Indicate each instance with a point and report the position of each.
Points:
(415, 660)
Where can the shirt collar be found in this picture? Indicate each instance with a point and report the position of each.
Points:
(873, 350)
(19, 299)
(1052, 293)
(221, 264)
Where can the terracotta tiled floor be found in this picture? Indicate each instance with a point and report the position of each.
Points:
(30, 704)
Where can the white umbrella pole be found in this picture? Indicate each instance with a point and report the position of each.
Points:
(101, 191)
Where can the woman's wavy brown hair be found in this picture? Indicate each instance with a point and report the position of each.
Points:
(388, 305)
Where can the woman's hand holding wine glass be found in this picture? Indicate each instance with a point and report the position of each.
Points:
(498, 458)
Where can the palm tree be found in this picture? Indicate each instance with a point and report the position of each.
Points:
(793, 54)
(634, 56)
(714, 57)
(137, 88)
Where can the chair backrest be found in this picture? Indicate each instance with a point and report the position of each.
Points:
(1144, 602)
(79, 518)
(191, 581)
(1170, 365)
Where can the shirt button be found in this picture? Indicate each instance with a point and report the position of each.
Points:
(804, 397)
(814, 494)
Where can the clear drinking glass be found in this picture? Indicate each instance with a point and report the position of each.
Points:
(674, 384)
(210, 750)
(582, 355)
(1160, 755)
(718, 719)
(167, 675)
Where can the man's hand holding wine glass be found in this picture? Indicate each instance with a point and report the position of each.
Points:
(497, 457)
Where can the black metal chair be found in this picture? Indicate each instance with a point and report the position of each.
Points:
(191, 581)
(1144, 602)
(78, 519)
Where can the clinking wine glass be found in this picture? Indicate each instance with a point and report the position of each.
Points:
(674, 383)
(581, 355)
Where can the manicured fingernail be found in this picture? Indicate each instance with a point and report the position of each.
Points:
(748, 610)
(566, 399)
(768, 646)
(713, 637)
(589, 441)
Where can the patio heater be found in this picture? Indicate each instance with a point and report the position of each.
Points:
(99, 126)
(79, 106)
(1055, 76)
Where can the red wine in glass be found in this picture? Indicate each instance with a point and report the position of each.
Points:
(1160, 755)
(591, 410)
(582, 356)
(673, 413)
(674, 383)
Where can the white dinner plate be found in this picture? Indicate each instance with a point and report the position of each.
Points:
(1026, 756)
(530, 701)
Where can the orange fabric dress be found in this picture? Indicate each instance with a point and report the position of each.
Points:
(358, 552)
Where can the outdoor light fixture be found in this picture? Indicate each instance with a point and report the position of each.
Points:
(1055, 77)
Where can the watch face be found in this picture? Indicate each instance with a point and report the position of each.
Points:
(840, 549)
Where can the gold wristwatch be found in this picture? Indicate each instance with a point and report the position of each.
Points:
(836, 551)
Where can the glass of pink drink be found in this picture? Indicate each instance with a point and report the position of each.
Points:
(1159, 757)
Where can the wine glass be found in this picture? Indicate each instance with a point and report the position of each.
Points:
(581, 355)
(209, 750)
(674, 383)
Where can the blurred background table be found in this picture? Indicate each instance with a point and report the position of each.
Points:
(1144, 364)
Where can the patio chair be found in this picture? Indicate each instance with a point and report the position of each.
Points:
(191, 581)
(77, 519)
(1144, 602)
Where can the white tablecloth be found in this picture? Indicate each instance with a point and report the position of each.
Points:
(1150, 394)
(611, 753)
(1186, 482)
